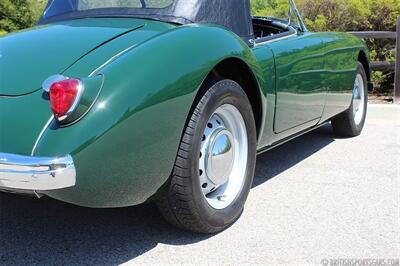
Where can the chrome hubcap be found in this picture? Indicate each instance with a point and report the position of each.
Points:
(358, 99)
(223, 157)
(220, 156)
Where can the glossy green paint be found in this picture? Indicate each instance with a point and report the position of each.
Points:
(299, 69)
(342, 51)
(22, 118)
(329, 68)
(31, 56)
(124, 148)
(92, 89)
(136, 124)
(21, 121)
(101, 56)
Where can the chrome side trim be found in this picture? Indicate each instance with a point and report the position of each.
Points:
(90, 107)
(75, 104)
(36, 173)
(41, 135)
(276, 39)
(97, 70)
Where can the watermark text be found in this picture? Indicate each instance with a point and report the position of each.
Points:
(360, 262)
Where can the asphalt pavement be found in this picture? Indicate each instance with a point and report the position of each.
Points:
(317, 199)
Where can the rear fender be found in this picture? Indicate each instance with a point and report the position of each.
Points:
(125, 148)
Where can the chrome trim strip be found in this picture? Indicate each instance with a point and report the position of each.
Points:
(90, 107)
(46, 126)
(36, 173)
(51, 80)
(276, 39)
(298, 15)
(303, 28)
(75, 104)
(97, 70)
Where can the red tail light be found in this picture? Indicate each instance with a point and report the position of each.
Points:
(64, 97)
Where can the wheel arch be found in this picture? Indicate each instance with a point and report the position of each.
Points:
(364, 60)
(236, 69)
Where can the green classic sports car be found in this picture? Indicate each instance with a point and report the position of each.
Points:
(115, 103)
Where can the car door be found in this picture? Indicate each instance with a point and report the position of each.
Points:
(300, 94)
(299, 68)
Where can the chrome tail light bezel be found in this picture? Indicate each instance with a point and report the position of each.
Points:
(49, 82)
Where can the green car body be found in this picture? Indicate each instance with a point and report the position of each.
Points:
(142, 78)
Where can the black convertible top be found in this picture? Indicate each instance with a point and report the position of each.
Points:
(232, 14)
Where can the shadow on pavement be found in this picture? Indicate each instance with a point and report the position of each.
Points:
(49, 232)
(278, 160)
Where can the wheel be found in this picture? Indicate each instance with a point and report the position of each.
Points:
(351, 122)
(215, 165)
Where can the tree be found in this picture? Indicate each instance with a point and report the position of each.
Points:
(19, 14)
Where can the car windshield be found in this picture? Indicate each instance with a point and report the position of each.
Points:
(102, 7)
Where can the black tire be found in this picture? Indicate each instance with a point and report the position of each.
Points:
(183, 204)
(344, 125)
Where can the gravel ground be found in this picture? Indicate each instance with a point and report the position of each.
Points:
(317, 197)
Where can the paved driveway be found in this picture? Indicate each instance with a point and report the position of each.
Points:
(316, 197)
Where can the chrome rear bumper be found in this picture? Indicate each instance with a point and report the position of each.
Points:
(36, 173)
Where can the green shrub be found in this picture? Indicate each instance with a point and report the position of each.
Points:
(19, 14)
